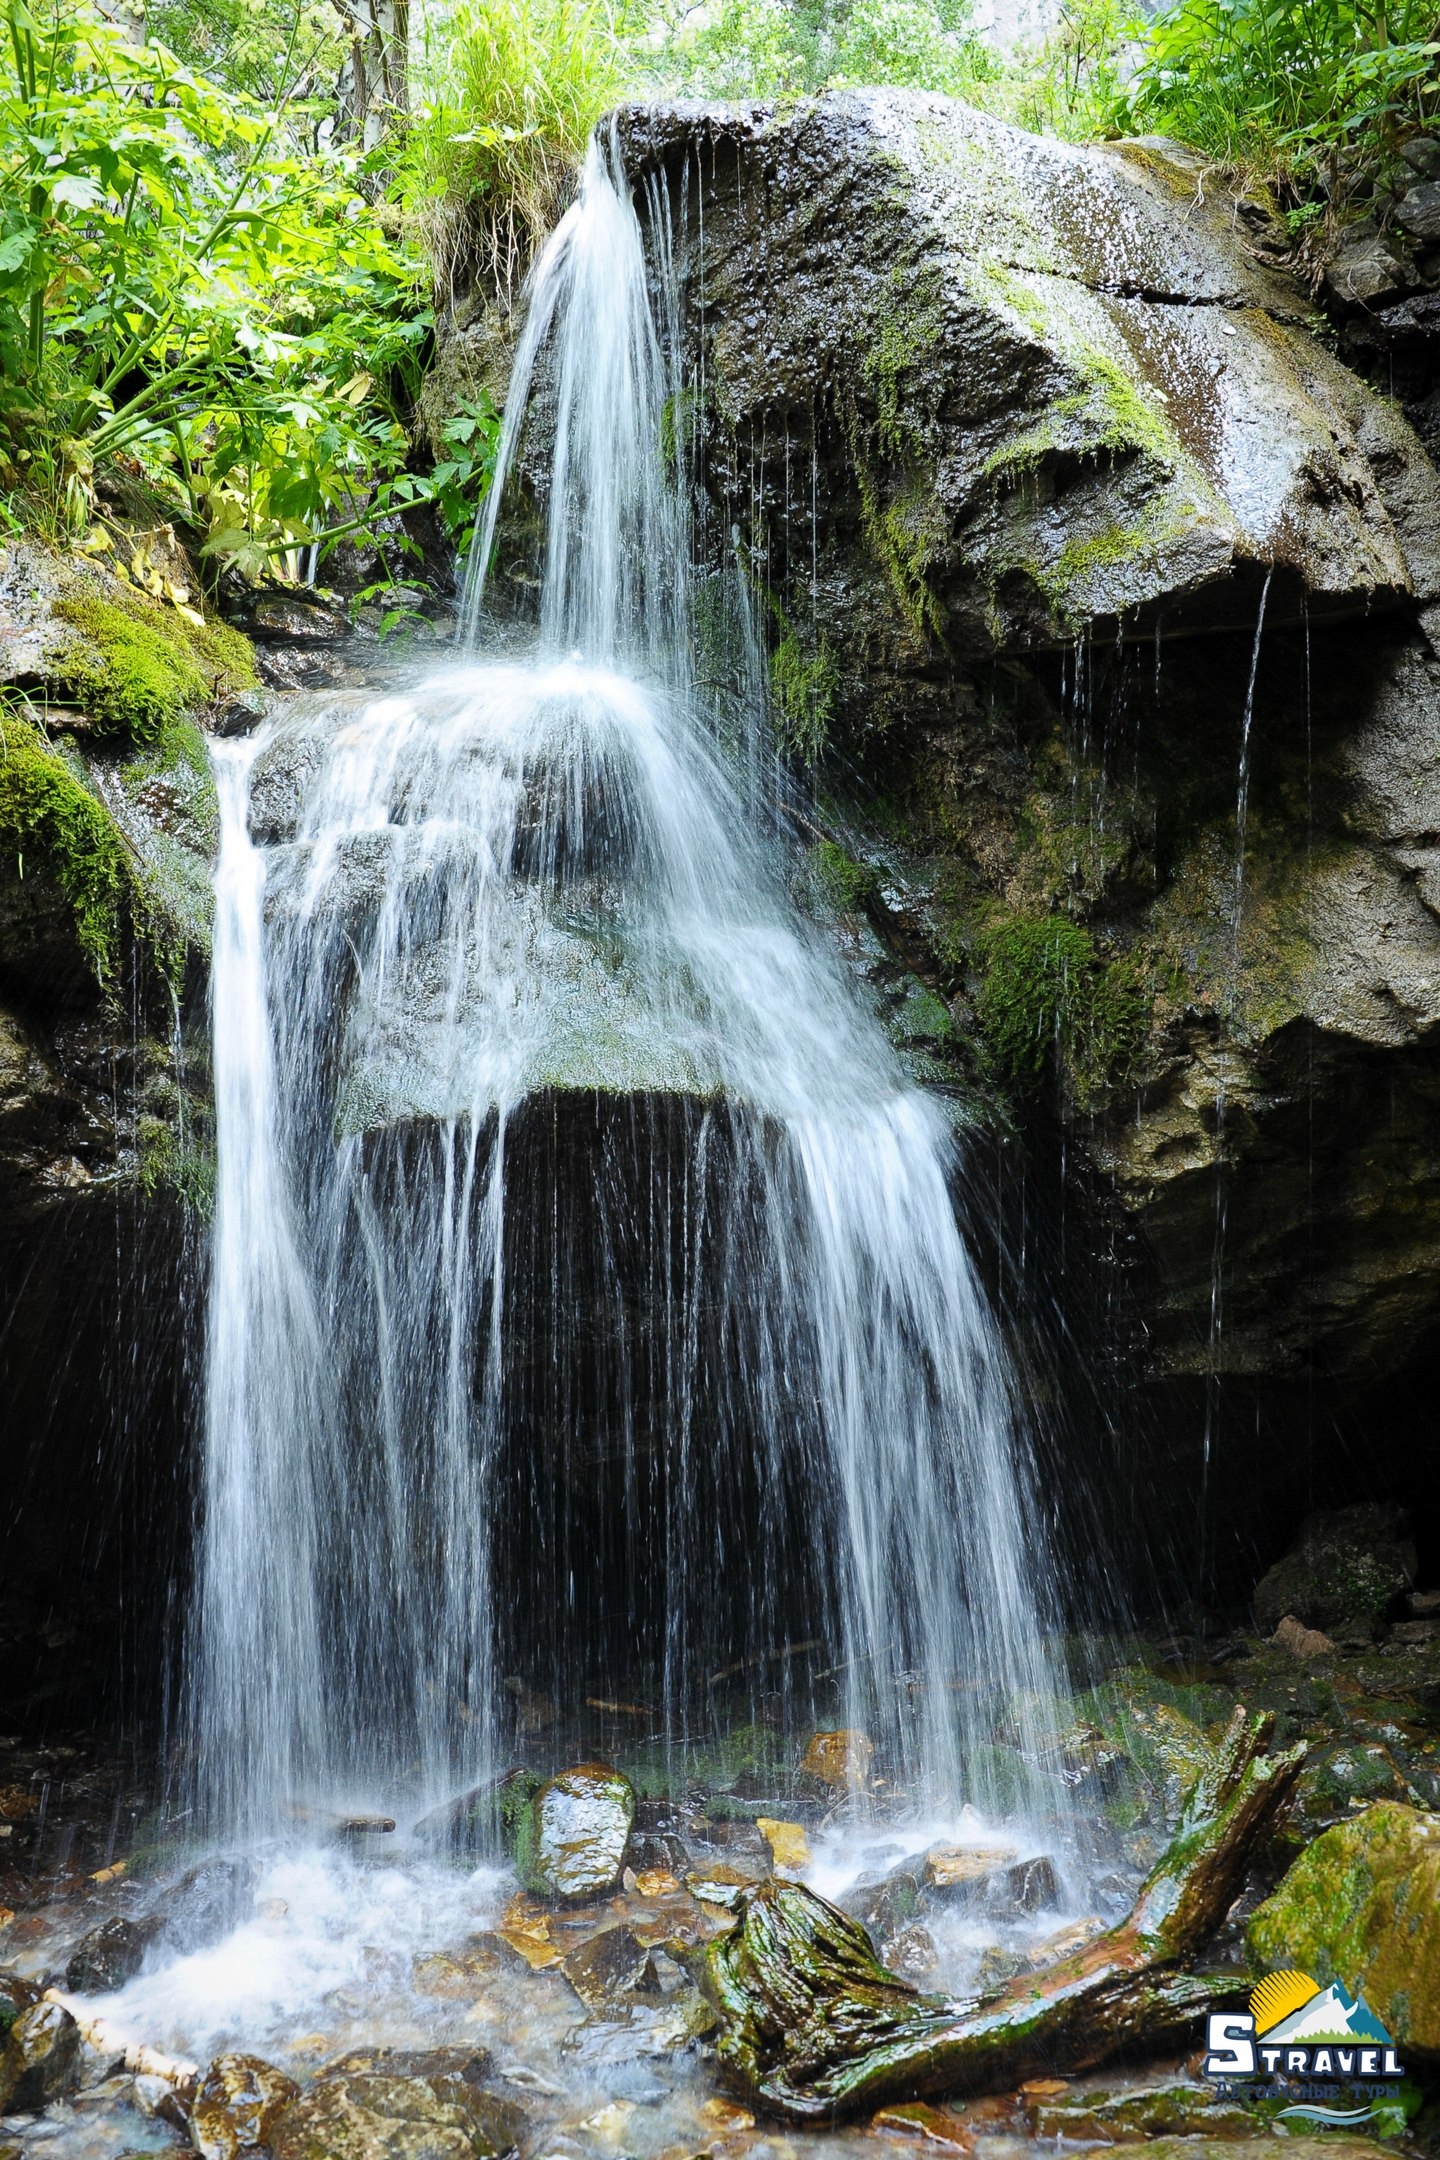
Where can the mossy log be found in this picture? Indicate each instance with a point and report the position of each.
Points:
(814, 2027)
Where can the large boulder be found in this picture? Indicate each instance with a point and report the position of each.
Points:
(239, 2101)
(1066, 389)
(1114, 594)
(41, 2059)
(1347, 1573)
(1362, 1906)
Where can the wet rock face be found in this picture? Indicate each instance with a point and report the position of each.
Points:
(1061, 388)
(41, 2059)
(1052, 485)
(398, 2107)
(573, 1837)
(1362, 1906)
(239, 2101)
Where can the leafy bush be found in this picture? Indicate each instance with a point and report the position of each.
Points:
(179, 288)
(756, 48)
(1287, 84)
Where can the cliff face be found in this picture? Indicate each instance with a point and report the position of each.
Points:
(1105, 597)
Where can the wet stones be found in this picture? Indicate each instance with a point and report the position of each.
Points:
(610, 1966)
(839, 1760)
(399, 2107)
(41, 2061)
(239, 2101)
(109, 1955)
(572, 1837)
(1125, 2117)
(956, 1872)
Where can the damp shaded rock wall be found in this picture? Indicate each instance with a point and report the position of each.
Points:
(1079, 553)
(107, 835)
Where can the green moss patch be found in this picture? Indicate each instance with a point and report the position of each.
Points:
(50, 819)
(1362, 1906)
(1048, 996)
(136, 668)
(802, 690)
(841, 881)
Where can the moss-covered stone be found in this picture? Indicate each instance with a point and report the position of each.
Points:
(571, 1836)
(1047, 995)
(136, 667)
(1362, 1906)
(51, 825)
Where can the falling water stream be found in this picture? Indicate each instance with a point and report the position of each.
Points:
(588, 1296)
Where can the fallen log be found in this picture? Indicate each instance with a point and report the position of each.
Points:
(814, 2027)
(110, 2039)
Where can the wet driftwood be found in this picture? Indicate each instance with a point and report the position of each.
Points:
(814, 2027)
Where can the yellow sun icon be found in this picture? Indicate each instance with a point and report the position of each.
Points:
(1277, 1995)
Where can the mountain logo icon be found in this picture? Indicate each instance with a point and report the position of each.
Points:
(1290, 2008)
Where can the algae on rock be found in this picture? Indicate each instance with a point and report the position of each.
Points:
(1362, 1906)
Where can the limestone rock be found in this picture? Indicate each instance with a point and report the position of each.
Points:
(1362, 1906)
(574, 1833)
(1348, 1569)
(238, 2102)
(1302, 1642)
(41, 2059)
(398, 2107)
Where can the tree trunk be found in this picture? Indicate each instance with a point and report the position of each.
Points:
(814, 2027)
(374, 88)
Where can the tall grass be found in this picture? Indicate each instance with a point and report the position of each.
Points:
(506, 93)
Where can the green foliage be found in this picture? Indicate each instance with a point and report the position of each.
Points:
(47, 816)
(756, 48)
(1285, 85)
(268, 48)
(1071, 83)
(171, 1160)
(461, 479)
(1047, 998)
(508, 91)
(840, 880)
(182, 290)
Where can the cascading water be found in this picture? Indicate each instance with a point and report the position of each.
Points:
(587, 1282)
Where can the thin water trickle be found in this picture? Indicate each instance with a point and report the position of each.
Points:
(588, 1285)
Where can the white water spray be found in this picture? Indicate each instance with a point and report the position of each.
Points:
(588, 1290)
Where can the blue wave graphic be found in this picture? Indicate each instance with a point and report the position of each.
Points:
(1330, 2115)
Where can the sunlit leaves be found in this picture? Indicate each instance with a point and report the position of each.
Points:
(181, 286)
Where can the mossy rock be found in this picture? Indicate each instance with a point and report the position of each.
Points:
(60, 840)
(571, 1835)
(1362, 1906)
(136, 668)
(1339, 1779)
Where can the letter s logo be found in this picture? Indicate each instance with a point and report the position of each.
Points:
(1230, 2040)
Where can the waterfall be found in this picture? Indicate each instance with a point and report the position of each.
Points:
(588, 1293)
